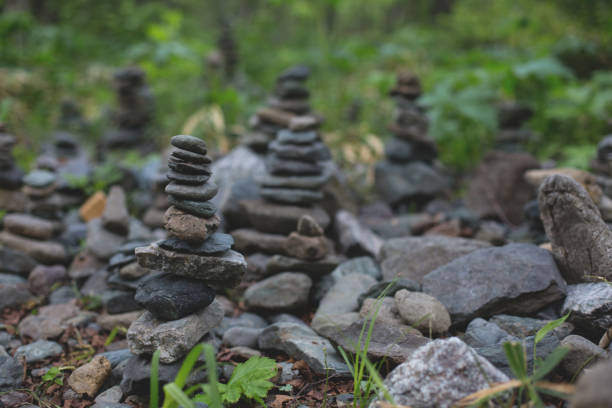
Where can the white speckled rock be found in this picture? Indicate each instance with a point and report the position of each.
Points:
(174, 338)
(439, 374)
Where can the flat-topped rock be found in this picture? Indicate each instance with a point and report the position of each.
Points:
(45, 252)
(298, 182)
(280, 219)
(30, 226)
(291, 196)
(219, 272)
(278, 166)
(312, 152)
(216, 243)
(189, 143)
(204, 209)
(202, 192)
(280, 263)
(175, 338)
(40, 178)
(190, 157)
(171, 297)
(297, 138)
(187, 167)
(190, 179)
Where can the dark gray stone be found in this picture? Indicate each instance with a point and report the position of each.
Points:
(189, 143)
(202, 192)
(521, 327)
(280, 263)
(289, 167)
(186, 167)
(590, 305)
(217, 243)
(11, 373)
(280, 218)
(582, 354)
(191, 157)
(204, 209)
(241, 336)
(15, 262)
(355, 238)
(285, 291)
(311, 152)
(293, 196)
(183, 178)
(519, 278)
(38, 351)
(118, 301)
(171, 297)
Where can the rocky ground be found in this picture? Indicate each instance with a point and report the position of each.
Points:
(280, 258)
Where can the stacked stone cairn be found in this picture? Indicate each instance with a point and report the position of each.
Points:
(154, 216)
(228, 48)
(602, 163)
(134, 113)
(194, 261)
(34, 232)
(408, 174)
(512, 134)
(11, 197)
(287, 108)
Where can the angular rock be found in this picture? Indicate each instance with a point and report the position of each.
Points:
(516, 278)
(89, 378)
(480, 333)
(397, 183)
(175, 338)
(308, 226)
(221, 272)
(581, 240)
(102, 242)
(422, 311)
(387, 341)
(354, 237)
(522, 327)
(285, 291)
(116, 217)
(11, 373)
(300, 342)
(415, 257)
(498, 188)
(590, 305)
(171, 297)
(439, 374)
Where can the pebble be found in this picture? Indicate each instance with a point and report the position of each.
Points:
(285, 291)
(582, 354)
(216, 243)
(42, 278)
(189, 143)
(15, 262)
(11, 373)
(50, 322)
(30, 226)
(202, 192)
(188, 227)
(38, 351)
(422, 311)
(242, 336)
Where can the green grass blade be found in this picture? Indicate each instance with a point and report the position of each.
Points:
(173, 391)
(551, 361)
(516, 359)
(548, 327)
(211, 369)
(375, 376)
(187, 366)
(154, 381)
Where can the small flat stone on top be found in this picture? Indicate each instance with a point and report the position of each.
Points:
(189, 143)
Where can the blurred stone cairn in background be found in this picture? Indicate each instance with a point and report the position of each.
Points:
(287, 108)
(194, 261)
(408, 174)
(134, 112)
(11, 197)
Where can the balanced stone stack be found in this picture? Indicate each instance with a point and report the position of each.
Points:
(287, 108)
(11, 198)
(125, 274)
(228, 48)
(154, 216)
(194, 261)
(35, 232)
(409, 174)
(134, 113)
(512, 135)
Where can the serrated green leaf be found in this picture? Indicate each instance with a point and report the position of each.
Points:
(251, 379)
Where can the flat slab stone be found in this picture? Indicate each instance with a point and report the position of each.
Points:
(30, 226)
(291, 195)
(46, 252)
(303, 182)
(278, 218)
(189, 143)
(215, 244)
(202, 192)
(175, 338)
(220, 272)
(299, 138)
(204, 209)
(516, 278)
(182, 178)
(280, 263)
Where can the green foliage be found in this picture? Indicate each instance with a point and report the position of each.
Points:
(249, 380)
(54, 376)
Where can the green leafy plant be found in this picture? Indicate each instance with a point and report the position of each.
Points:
(54, 376)
(249, 380)
(525, 385)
